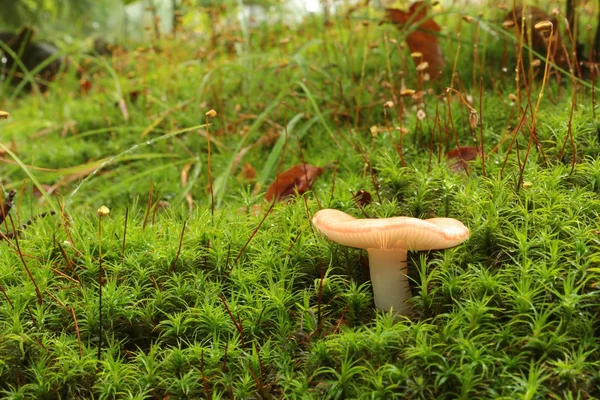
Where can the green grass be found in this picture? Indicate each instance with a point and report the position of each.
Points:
(253, 308)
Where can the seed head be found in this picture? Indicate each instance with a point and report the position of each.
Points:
(473, 118)
(103, 211)
(422, 66)
(543, 26)
(407, 92)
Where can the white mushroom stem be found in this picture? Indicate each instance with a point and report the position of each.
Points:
(390, 283)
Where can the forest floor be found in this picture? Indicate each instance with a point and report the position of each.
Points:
(200, 282)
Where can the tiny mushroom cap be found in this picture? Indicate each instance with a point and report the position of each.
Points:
(387, 241)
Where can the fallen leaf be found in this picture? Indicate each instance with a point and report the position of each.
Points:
(363, 197)
(248, 172)
(85, 85)
(36, 190)
(423, 38)
(458, 157)
(298, 178)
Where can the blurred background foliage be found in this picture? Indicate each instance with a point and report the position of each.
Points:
(124, 20)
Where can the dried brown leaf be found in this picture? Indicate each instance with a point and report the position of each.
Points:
(298, 178)
(458, 157)
(423, 38)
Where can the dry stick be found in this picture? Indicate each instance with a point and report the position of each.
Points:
(458, 35)
(545, 77)
(333, 182)
(229, 268)
(237, 323)
(572, 35)
(475, 53)
(454, 132)
(148, 204)
(308, 216)
(6, 297)
(67, 225)
(516, 131)
(77, 332)
(210, 182)
(124, 235)
(570, 135)
(21, 191)
(254, 233)
(100, 215)
(69, 262)
(438, 123)
(522, 167)
(204, 380)
(154, 211)
(518, 155)
(258, 380)
(285, 142)
(57, 272)
(362, 76)
(368, 162)
(594, 70)
(320, 297)
(301, 154)
(388, 65)
(56, 299)
(16, 237)
(570, 124)
(224, 369)
(520, 34)
(398, 147)
(482, 153)
(532, 131)
(339, 322)
(304, 168)
(179, 248)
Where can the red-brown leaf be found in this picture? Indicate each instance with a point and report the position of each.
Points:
(458, 157)
(422, 39)
(298, 178)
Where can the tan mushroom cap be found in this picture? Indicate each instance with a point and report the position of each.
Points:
(390, 233)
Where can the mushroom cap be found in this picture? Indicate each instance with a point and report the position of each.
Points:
(404, 233)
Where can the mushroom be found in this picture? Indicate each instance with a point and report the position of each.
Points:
(387, 241)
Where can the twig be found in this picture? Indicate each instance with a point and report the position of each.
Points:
(148, 205)
(124, 235)
(6, 297)
(254, 232)
(179, 248)
(37, 289)
(77, 333)
(237, 323)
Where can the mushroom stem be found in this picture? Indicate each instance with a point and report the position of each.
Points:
(389, 280)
